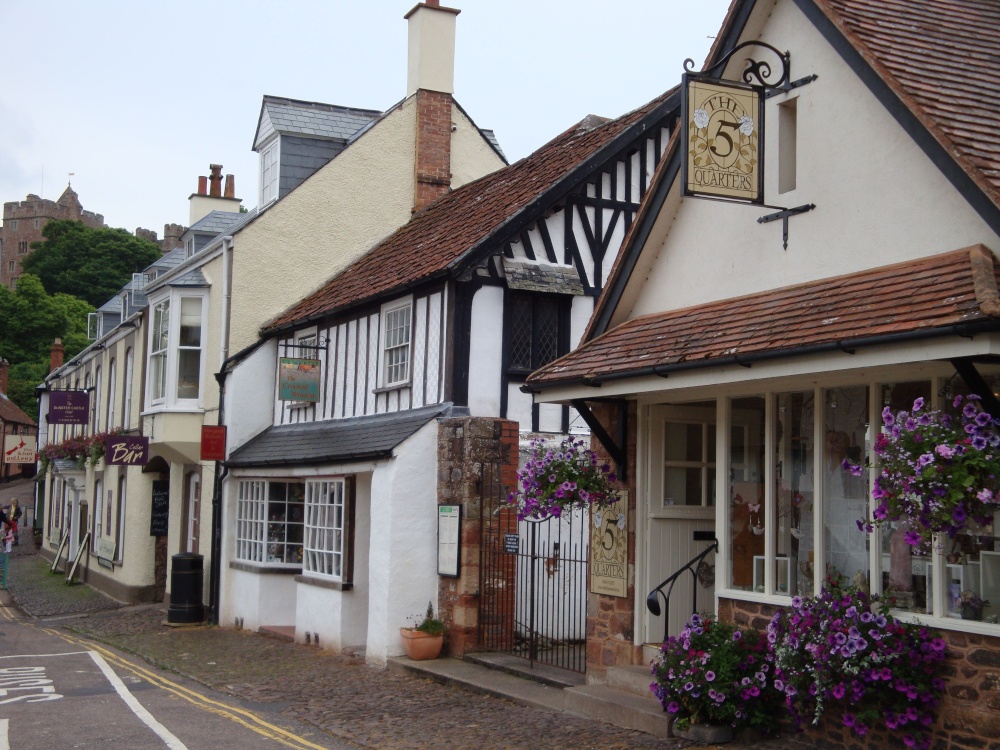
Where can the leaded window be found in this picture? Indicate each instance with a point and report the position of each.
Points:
(533, 329)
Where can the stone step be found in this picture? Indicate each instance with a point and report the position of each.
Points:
(634, 680)
(617, 707)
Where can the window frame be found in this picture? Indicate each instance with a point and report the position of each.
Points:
(332, 554)
(270, 184)
(385, 345)
(562, 311)
(170, 354)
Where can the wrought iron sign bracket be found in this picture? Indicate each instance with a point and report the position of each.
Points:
(320, 345)
(615, 447)
(789, 86)
(783, 215)
(757, 72)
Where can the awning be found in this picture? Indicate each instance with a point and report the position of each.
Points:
(953, 293)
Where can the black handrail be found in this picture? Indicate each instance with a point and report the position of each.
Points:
(652, 599)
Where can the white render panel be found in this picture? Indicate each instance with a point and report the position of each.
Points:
(434, 384)
(247, 417)
(485, 355)
(403, 574)
(844, 154)
(556, 224)
(371, 398)
(549, 418)
(418, 352)
(351, 371)
(583, 214)
(359, 380)
(519, 406)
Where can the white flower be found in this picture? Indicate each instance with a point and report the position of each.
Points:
(701, 118)
(621, 521)
(598, 520)
(746, 125)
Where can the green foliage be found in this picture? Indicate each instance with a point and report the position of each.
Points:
(92, 264)
(32, 320)
(430, 624)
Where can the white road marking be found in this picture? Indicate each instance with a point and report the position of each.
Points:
(42, 656)
(161, 731)
(4, 738)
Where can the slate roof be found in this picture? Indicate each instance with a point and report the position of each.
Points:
(314, 119)
(329, 441)
(217, 222)
(11, 413)
(942, 58)
(925, 297)
(436, 240)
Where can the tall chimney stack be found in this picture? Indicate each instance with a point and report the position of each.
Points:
(202, 185)
(56, 352)
(230, 186)
(431, 78)
(210, 196)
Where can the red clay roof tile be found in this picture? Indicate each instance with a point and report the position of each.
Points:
(927, 293)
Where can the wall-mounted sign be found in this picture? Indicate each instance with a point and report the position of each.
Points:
(106, 552)
(126, 450)
(609, 549)
(213, 442)
(510, 543)
(449, 540)
(722, 136)
(159, 514)
(19, 449)
(298, 379)
(69, 407)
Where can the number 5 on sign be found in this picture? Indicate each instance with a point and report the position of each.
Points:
(609, 549)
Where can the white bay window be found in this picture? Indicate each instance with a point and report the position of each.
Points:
(177, 327)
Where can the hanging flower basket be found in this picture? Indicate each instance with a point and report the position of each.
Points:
(936, 472)
(67, 465)
(559, 479)
(75, 453)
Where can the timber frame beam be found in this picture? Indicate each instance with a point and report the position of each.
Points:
(616, 446)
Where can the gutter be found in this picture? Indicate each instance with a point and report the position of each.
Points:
(848, 346)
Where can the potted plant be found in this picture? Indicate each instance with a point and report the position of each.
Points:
(972, 605)
(937, 472)
(560, 478)
(424, 640)
(842, 654)
(715, 677)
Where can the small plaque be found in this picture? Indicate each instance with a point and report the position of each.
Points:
(449, 540)
(511, 543)
(609, 549)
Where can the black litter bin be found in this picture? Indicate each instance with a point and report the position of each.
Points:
(186, 574)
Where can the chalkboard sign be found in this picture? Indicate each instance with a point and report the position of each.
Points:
(160, 513)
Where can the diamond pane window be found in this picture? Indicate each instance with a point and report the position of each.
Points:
(534, 325)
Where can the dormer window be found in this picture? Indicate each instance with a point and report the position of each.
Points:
(269, 173)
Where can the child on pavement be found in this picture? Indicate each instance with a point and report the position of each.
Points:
(8, 537)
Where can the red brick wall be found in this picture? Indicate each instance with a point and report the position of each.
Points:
(969, 715)
(465, 447)
(432, 164)
(610, 619)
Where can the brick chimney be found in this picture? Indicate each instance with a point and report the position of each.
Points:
(56, 352)
(3, 375)
(431, 79)
(230, 186)
(203, 185)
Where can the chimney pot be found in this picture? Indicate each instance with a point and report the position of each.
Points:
(230, 186)
(202, 186)
(215, 179)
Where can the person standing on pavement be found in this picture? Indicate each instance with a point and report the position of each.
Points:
(14, 516)
(8, 537)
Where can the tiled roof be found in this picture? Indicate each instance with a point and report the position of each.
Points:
(440, 236)
(11, 413)
(942, 58)
(316, 120)
(925, 296)
(329, 441)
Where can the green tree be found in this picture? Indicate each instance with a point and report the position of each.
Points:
(92, 264)
(32, 320)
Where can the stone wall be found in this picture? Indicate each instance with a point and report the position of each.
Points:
(969, 715)
(466, 447)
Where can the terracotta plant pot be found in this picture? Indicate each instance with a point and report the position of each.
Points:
(420, 645)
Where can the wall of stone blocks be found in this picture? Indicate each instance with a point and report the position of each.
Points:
(466, 447)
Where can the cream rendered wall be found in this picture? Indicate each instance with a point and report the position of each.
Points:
(472, 156)
(339, 213)
(138, 547)
(879, 199)
(403, 556)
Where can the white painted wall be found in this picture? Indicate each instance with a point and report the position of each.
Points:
(250, 390)
(879, 198)
(485, 352)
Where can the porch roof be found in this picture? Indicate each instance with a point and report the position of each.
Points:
(330, 441)
(955, 292)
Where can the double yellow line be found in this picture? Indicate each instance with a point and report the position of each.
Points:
(238, 715)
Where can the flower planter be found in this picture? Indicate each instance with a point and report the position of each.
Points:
(66, 465)
(421, 646)
(708, 734)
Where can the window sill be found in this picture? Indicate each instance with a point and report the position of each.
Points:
(154, 410)
(264, 568)
(391, 388)
(324, 583)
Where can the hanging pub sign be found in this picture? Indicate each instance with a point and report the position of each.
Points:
(722, 128)
(213, 442)
(19, 449)
(126, 450)
(298, 379)
(609, 549)
(69, 407)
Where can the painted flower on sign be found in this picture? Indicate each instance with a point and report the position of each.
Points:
(746, 125)
(701, 118)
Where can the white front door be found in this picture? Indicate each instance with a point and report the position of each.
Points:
(681, 503)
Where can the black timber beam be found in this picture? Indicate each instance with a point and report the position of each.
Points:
(966, 369)
(616, 447)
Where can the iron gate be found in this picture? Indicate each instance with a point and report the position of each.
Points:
(533, 591)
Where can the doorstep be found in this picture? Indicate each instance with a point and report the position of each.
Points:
(620, 702)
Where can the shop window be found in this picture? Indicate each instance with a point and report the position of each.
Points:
(746, 488)
(269, 521)
(533, 327)
(120, 531)
(326, 532)
(793, 526)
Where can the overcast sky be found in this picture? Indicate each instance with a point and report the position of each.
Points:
(138, 98)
